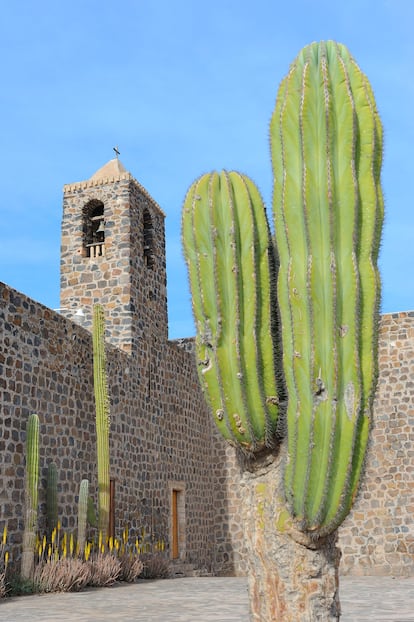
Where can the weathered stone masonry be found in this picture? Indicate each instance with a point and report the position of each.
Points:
(160, 431)
(162, 438)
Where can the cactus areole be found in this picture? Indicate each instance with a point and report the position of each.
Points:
(326, 147)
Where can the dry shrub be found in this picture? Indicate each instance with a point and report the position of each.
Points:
(131, 567)
(61, 575)
(3, 586)
(4, 560)
(155, 567)
(104, 570)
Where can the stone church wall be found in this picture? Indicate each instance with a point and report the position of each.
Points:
(160, 431)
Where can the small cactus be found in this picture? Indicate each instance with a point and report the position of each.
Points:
(51, 497)
(31, 496)
(82, 514)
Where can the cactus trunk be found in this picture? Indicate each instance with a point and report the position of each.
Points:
(102, 417)
(326, 151)
(31, 496)
(290, 579)
(231, 265)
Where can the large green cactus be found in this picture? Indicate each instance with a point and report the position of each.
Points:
(326, 151)
(102, 417)
(31, 496)
(231, 266)
(328, 210)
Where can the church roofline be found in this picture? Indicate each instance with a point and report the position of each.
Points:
(109, 174)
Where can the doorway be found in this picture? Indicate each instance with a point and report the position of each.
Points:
(177, 528)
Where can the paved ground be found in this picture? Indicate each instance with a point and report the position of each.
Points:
(382, 599)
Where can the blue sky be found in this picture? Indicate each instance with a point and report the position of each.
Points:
(183, 87)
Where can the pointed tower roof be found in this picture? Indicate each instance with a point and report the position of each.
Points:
(111, 170)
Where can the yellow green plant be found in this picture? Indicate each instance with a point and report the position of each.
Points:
(4, 561)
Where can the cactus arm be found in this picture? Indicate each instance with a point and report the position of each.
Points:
(102, 416)
(319, 153)
(228, 251)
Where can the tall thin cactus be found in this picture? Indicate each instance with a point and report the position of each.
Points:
(102, 417)
(51, 497)
(82, 514)
(31, 496)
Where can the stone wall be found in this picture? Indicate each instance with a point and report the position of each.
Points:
(162, 439)
(160, 429)
(378, 535)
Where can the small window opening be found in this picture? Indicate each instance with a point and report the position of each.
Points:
(94, 229)
(148, 240)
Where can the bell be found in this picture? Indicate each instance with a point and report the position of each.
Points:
(101, 228)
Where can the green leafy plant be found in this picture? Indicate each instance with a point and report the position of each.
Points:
(291, 382)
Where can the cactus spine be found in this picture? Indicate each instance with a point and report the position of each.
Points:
(231, 265)
(51, 497)
(31, 492)
(102, 416)
(328, 209)
(82, 514)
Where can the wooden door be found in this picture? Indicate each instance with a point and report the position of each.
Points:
(175, 530)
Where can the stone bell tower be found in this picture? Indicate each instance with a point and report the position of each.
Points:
(113, 252)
